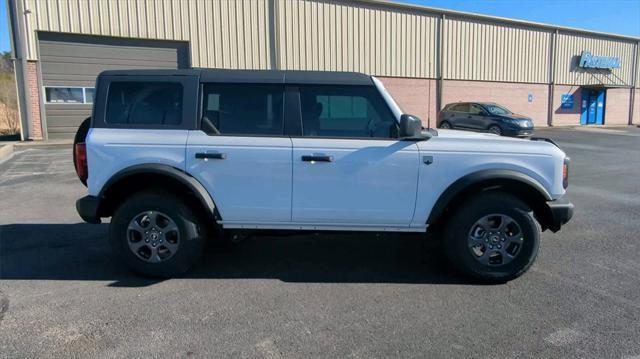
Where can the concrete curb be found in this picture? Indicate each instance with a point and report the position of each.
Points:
(8, 148)
(41, 144)
(5, 151)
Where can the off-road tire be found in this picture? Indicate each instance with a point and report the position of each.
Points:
(191, 227)
(457, 229)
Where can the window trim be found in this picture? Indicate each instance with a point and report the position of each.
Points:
(458, 104)
(200, 109)
(377, 93)
(84, 95)
(189, 101)
(483, 111)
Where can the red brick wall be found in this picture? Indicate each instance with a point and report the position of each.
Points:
(563, 116)
(514, 96)
(34, 98)
(414, 96)
(616, 106)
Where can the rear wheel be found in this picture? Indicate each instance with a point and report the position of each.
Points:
(156, 234)
(445, 125)
(494, 237)
(495, 129)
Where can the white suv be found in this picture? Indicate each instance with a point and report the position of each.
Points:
(176, 156)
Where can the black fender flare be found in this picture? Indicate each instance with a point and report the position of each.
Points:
(490, 175)
(176, 174)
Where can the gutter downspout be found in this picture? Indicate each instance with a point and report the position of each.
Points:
(439, 67)
(552, 77)
(634, 74)
(17, 33)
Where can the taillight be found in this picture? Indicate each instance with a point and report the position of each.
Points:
(81, 162)
(565, 173)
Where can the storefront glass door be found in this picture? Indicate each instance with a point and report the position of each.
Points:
(593, 101)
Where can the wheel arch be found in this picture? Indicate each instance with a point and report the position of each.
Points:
(153, 176)
(513, 182)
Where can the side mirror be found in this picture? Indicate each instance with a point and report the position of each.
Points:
(410, 128)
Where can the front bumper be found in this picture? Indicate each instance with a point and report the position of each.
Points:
(87, 208)
(559, 212)
(518, 131)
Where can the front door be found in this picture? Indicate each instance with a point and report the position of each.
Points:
(478, 118)
(349, 168)
(245, 162)
(593, 107)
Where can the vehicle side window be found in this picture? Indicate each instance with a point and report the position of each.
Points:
(476, 110)
(345, 111)
(462, 107)
(144, 103)
(244, 109)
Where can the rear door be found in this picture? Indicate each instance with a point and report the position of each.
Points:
(246, 166)
(458, 116)
(349, 168)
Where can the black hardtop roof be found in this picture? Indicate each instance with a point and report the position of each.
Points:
(256, 76)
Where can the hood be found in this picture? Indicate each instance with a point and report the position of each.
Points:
(475, 135)
(455, 140)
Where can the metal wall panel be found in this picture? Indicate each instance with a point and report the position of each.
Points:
(71, 60)
(222, 33)
(569, 48)
(478, 50)
(372, 37)
(350, 36)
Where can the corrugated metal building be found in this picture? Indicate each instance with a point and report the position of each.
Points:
(426, 57)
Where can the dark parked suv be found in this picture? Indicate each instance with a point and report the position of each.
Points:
(484, 116)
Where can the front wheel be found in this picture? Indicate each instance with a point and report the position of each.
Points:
(156, 234)
(495, 130)
(493, 238)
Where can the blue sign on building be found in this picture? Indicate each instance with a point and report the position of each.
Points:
(598, 62)
(566, 100)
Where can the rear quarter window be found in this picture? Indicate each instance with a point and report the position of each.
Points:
(461, 107)
(144, 103)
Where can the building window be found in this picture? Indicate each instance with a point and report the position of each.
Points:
(68, 95)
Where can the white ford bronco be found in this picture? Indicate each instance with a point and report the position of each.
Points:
(177, 156)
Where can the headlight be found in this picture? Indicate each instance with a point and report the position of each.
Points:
(521, 122)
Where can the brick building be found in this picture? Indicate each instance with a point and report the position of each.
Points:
(426, 57)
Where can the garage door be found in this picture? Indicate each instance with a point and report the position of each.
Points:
(70, 64)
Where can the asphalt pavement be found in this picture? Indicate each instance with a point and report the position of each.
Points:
(359, 296)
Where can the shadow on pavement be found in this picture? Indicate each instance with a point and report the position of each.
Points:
(81, 252)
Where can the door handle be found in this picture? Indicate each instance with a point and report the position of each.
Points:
(211, 156)
(317, 158)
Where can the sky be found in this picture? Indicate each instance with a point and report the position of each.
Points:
(614, 16)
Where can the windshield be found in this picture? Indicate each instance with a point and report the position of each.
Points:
(497, 110)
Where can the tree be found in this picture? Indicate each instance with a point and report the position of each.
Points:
(9, 121)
